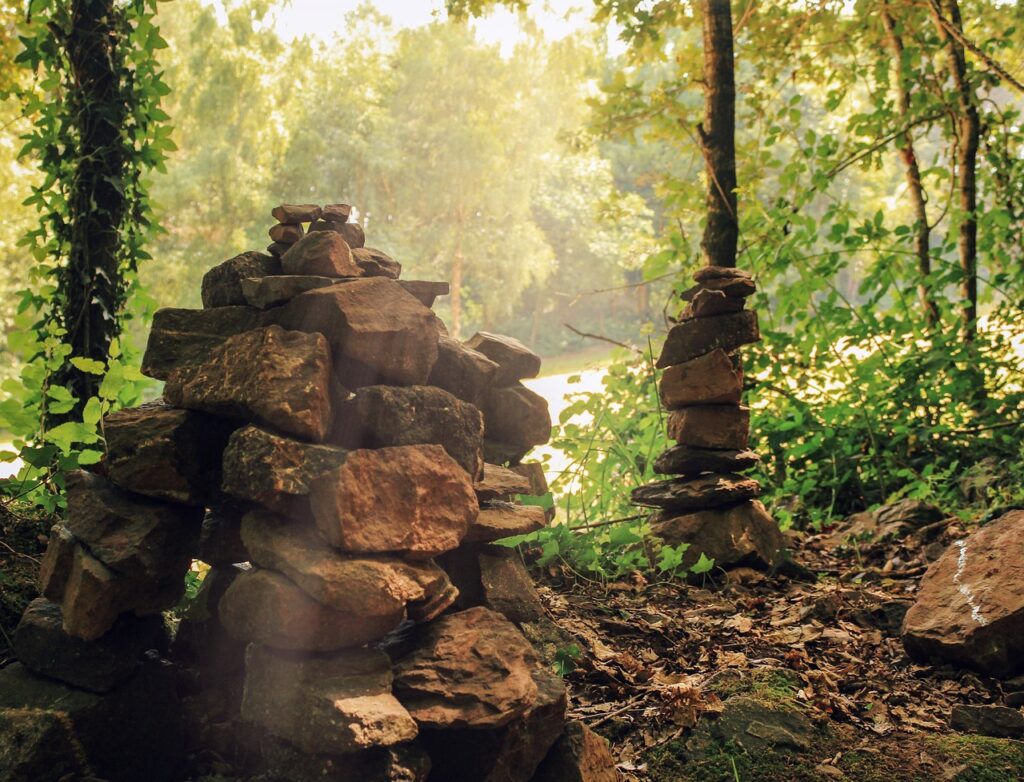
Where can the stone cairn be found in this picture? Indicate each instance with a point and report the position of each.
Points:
(321, 445)
(709, 506)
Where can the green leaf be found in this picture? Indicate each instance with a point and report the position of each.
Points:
(89, 365)
(703, 565)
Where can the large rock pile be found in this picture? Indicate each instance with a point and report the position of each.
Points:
(320, 442)
(709, 505)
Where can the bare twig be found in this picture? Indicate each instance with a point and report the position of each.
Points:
(609, 340)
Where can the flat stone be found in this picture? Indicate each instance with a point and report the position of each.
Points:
(220, 538)
(265, 292)
(711, 379)
(377, 331)
(323, 253)
(267, 376)
(704, 491)
(275, 471)
(755, 726)
(970, 604)
(181, 338)
(709, 273)
(743, 535)
(383, 416)
(352, 233)
(1000, 722)
(425, 290)
(163, 452)
(724, 427)
(377, 263)
(296, 213)
(337, 213)
(134, 732)
(472, 669)
(222, 285)
(265, 607)
(286, 234)
(41, 644)
(736, 287)
(707, 303)
(133, 536)
(371, 589)
(499, 520)
(515, 361)
(411, 498)
(334, 704)
(690, 460)
(277, 249)
(579, 755)
(462, 371)
(516, 415)
(501, 483)
(693, 338)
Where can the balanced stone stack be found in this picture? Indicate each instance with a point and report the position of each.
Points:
(320, 442)
(709, 505)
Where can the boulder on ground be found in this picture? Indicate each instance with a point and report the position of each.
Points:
(711, 379)
(743, 535)
(501, 483)
(515, 361)
(724, 427)
(323, 253)
(579, 755)
(265, 292)
(516, 415)
(222, 285)
(181, 338)
(291, 214)
(378, 332)
(704, 491)
(755, 726)
(383, 416)
(267, 376)
(462, 371)
(970, 604)
(498, 520)
(1000, 722)
(335, 703)
(265, 607)
(414, 499)
(472, 669)
(42, 646)
(691, 460)
(693, 338)
(164, 452)
(426, 291)
(377, 263)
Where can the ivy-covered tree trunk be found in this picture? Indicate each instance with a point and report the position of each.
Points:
(718, 135)
(90, 289)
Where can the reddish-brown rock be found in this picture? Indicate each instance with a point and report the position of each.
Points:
(266, 292)
(292, 214)
(499, 520)
(382, 416)
(336, 213)
(164, 452)
(733, 282)
(711, 379)
(516, 415)
(377, 332)
(501, 483)
(377, 263)
(285, 233)
(426, 291)
(698, 336)
(743, 535)
(689, 460)
(181, 338)
(336, 703)
(277, 249)
(472, 669)
(515, 361)
(707, 303)
(268, 376)
(970, 604)
(352, 233)
(410, 498)
(222, 285)
(56, 564)
(580, 755)
(323, 253)
(462, 371)
(266, 607)
(725, 427)
(704, 491)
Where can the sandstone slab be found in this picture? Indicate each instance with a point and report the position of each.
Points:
(501, 483)
(377, 331)
(222, 285)
(691, 460)
(426, 291)
(462, 371)
(181, 338)
(286, 233)
(704, 491)
(743, 535)
(723, 427)
(692, 338)
(323, 253)
(336, 703)
(517, 416)
(265, 292)
(411, 498)
(268, 376)
(337, 213)
(707, 303)
(377, 263)
(970, 604)
(499, 520)
(296, 213)
(515, 361)
(711, 379)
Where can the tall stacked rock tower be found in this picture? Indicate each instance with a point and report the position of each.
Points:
(320, 442)
(709, 505)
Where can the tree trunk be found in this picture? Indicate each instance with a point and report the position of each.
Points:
(90, 289)
(968, 132)
(718, 135)
(912, 171)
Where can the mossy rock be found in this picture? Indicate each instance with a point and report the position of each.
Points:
(986, 759)
(768, 685)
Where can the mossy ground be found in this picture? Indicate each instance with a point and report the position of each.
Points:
(23, 532)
